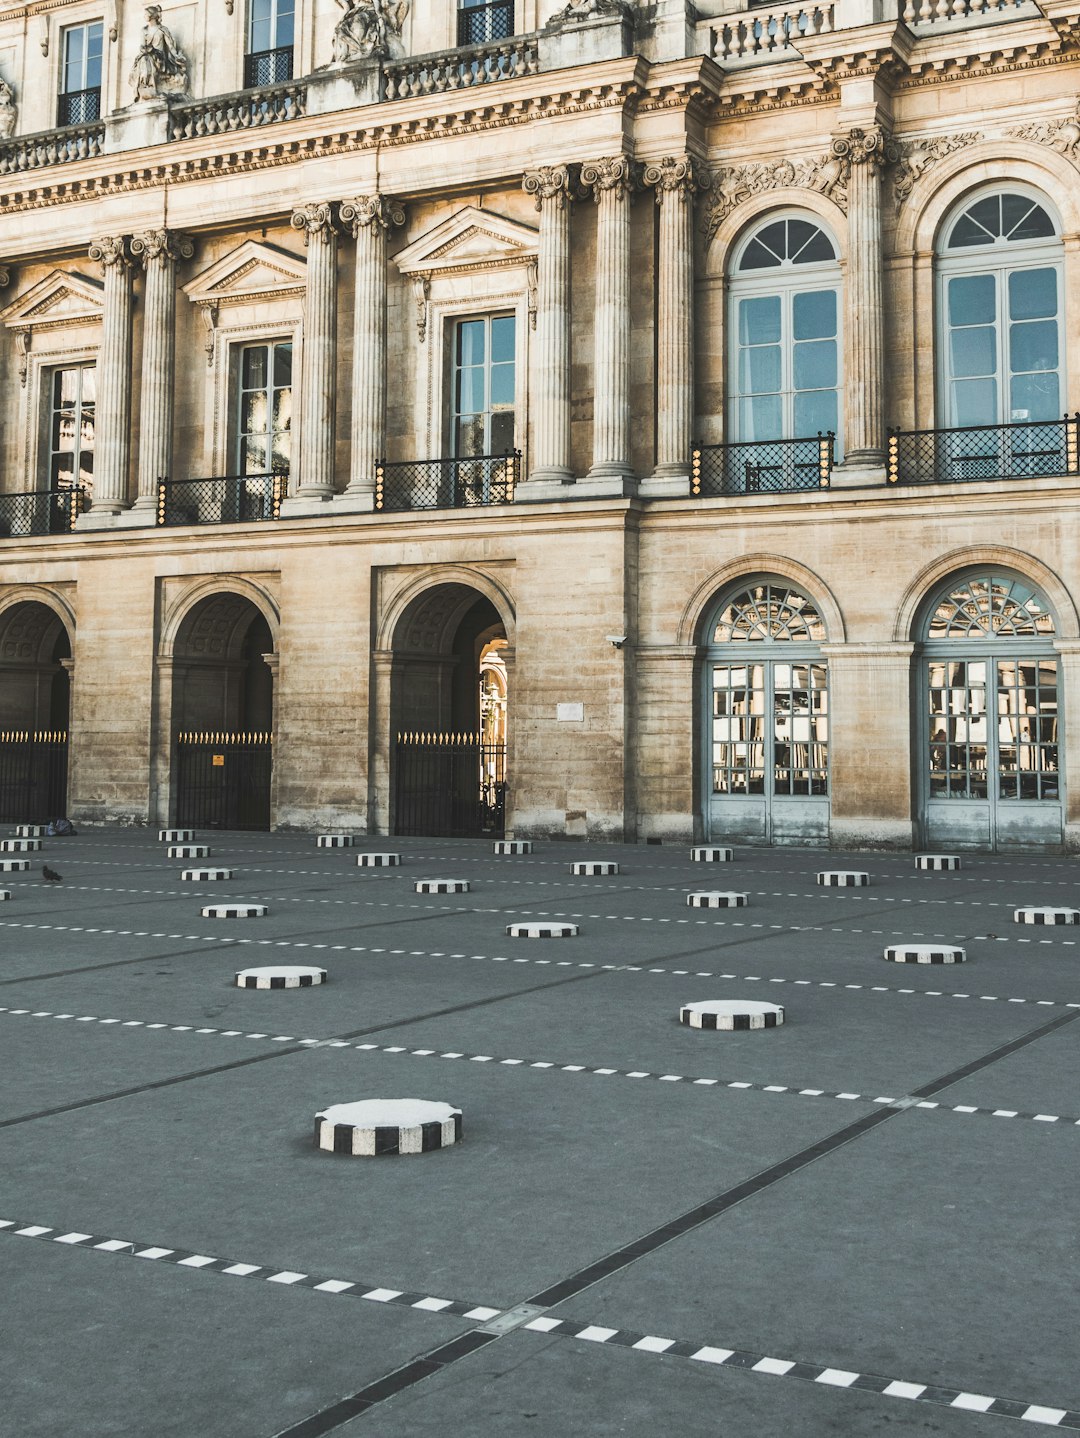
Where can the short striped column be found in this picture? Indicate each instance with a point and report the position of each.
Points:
(189, 851)
(4, 894)
(280, 976)
(14, 866)
(711, 854)
(205, 876)
(937, 862)
(376, 1127)
(175, 836)
(843, 878)
(731, 1015)
(541, 931)
(594, 867)
(30, 831)
(335, 841)
(715, 899)
(1045, 914)
(442, 886)
(378, 861)
(235, 911)
(924, 954)
(19, 846)
(512, 846)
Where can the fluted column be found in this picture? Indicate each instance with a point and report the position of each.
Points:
(112, 430)
(314, 459)
(370, 218)
(866, 153)
(676, 181)
(612, 182)
(554, 187)
(159, 251)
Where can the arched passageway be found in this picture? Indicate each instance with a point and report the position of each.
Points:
(223, 715)
(35, 699)
(449, 714)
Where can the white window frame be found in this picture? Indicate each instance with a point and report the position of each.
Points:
(65, 33)
(488, 316)
(47, 391)
(235, 368)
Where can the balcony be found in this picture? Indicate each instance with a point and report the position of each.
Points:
(481, 24)
(44, 511)
(52, 147)
(775, 466)
(447, 483)
(79, 107)
(268, 67)
(242, 110)
(1032, 450)
(231, 499)
(461, 69)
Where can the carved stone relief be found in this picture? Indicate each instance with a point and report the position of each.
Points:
(577, 12)
(915, 157)
(1061, 135)
(733, 184)
(160, 68)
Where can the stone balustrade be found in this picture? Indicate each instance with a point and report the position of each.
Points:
(770, 32)
(52, 147)
(922, 13)
(461, 69)
(242, 110)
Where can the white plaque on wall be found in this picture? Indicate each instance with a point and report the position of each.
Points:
(567, 712)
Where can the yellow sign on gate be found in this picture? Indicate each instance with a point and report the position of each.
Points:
(218, 761)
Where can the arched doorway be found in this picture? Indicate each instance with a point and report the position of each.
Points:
(448, 715)
(35, 697)
(223, 715)
(990, 731)
(766, 695)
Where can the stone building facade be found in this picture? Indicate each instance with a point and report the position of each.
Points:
(677, 398)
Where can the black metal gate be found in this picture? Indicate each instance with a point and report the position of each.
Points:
(450, 785)
(33, 775)
(223, 780)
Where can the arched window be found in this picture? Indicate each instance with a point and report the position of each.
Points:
(991, 696)
(768, 705)
(784, 376)
(1000, 301)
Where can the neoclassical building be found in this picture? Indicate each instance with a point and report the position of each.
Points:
(578, 417)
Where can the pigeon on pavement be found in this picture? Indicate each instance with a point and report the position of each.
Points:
(50, 874)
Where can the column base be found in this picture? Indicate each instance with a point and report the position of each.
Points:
(300, 504)
(858, 474)
(665, 484)
(544, 491)
(607, 482)
(95, 518)
(139, 516)
(355, 501)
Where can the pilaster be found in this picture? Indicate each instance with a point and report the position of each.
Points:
(112, 436)
(313, 458)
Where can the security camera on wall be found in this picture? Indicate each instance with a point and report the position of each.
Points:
(616, 640)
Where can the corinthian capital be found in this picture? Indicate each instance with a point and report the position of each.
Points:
(616, 173)
(872, 146)
(557, 183)
(318, 219)
(370, 211)
(167, 245)
(680, 174)
(111, 251)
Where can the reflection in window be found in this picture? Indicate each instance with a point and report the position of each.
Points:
(769, 612)
(71, 427)
(264, 427)
(770, 723)
(484, 386)
(962, 745)
(990, 606)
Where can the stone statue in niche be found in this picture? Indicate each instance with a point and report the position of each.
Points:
(160, 67)
(9, 111)
(369, 29)
(575, 12)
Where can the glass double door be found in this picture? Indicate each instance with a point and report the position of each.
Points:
(992, 779)
(768, 775)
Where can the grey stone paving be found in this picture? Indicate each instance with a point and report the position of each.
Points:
(861, 1222)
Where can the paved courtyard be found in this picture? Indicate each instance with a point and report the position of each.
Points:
(861, 1222)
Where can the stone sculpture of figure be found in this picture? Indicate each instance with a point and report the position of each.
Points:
(369, 28)
(9, 111)
(577, 11)
(160, 67)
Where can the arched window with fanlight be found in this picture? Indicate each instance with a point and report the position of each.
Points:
(991, 776)
(785, 351)
(767, 700)
(1001, 325)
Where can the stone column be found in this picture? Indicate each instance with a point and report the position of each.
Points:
(612, 182)
(865, 153)
(371, 218)
(555, 187)
(314, 457)
(159, 251)
(675, 180)
(112, 431)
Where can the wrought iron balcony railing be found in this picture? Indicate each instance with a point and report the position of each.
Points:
(447, 483)
(1029, 450)
(268, 67)
(767, 466)
(232, 499)
(44, 511)
(480, 24)
(79, 107)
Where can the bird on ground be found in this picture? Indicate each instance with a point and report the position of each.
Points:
(50, 874)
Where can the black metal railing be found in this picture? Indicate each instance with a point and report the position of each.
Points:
(987, 451)
(447, 483)
(222, 780)
(44, 511)
(268, 67)
(79, 107)
(771, 466)
(480, 24)
(449, 784)
(232, 499)
(33, 775)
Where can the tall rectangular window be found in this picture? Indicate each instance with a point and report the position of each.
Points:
(71, 427)
(481, 23)
(80, 79)
(484, 385)
(264, 409)
(269, 58)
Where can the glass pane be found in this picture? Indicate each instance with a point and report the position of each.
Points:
(815, 364)
(760, 418)
(813, 315)
(93, 57)
(253, 367)
(972, 300)
(88, 377)
(759, 320)
(502, 431)
(818, 248)
(1033, 345)
(470, 342)
(253, 413)
(1034, 397)
(815, 410)
(282, 409)
(1032, 294)
(758, 257)
(975, 402)
(470, 391)
(973, 351)
(282, 365)
(759, 369)
(1023, 219)
(260, 38)
(980, 225)
(254, 455)
(502, 339)
(469, 434)
(502, 384)
(74, 50)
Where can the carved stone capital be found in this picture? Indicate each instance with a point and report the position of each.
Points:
(369, 211)
(167, 245)
(616, 173)
(318, 219)
(111, 252)
(676, 174)
(873, 146)
(558, 184)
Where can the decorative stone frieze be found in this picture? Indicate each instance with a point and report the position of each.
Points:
(731, 185)
(159, 251)
(915, 157)
(1062, 135)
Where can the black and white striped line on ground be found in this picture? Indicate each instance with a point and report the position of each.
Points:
(529, 1318)
(901, 1101)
